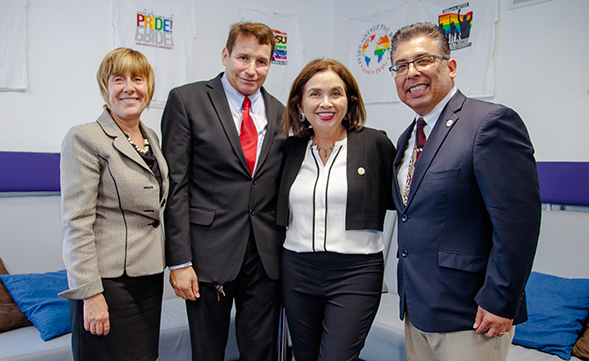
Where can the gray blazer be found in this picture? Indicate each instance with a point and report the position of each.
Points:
(111, 207)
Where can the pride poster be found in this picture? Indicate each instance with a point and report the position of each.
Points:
(470, 29)
(163, 31)
(369, 53)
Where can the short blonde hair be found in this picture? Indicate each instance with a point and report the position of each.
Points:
(122, 60)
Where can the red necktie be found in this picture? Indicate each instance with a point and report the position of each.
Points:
(419, 137)
(248, 136)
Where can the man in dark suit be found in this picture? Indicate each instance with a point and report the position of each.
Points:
(468, 201)
(223, 142)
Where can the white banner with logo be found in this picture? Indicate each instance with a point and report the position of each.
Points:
(13, 45)
(369, 53)
(470, 29)
(288, 54)
(163, 31)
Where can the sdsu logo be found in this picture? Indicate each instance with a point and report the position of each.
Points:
(373, 53)
(281, 50)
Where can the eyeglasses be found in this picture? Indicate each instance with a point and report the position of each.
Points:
(422, 63)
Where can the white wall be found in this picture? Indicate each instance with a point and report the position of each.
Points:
(67, 40)
(541, 71)
(542, 66)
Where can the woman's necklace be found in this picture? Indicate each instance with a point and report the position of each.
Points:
(319, 149)
(143, 151)
(330, 149)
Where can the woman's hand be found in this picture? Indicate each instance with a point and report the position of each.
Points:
(96, 318)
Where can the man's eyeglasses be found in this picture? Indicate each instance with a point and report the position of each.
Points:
(422, 63)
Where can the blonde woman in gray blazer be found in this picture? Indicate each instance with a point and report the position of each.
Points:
(114, 185)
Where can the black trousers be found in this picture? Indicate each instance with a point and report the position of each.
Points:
(257, 302)
(134, 307)
(331, 300)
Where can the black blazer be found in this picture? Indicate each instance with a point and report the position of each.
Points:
(468, 234)
(369, 171)
(214, 202)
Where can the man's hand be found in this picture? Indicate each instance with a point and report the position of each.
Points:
(491, 325)
(185, 283)
(96, 318)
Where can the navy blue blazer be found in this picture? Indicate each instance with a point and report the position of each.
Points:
(468, 234)
(369, 172)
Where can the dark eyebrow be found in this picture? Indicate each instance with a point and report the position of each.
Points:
(417, 57)
(337, 87)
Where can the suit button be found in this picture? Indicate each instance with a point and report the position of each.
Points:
(404, 218)
(155, 224)
(405, 253)
(252, 212)
(255, 182)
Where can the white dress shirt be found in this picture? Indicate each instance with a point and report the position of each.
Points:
(317, 203)
(430, 118)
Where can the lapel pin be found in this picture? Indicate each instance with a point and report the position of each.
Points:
(361, 171)
(449, 123)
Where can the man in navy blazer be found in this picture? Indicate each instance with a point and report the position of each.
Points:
(469, 209)
(222, 242)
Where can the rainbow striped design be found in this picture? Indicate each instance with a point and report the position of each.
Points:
(449, 18)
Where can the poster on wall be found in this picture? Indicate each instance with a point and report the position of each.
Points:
(13, 45)
(288, 54)
(369, 53)
(163, 31)
(470, 29)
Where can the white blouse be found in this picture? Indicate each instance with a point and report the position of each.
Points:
(317, 204)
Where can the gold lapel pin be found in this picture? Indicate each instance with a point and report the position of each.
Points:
(361, 171)
(449, 123)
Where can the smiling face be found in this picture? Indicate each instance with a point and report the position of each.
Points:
(422, 91)
(324, 102)
(127, 96)
(247, 66)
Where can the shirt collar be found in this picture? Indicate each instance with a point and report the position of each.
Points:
(432, 117)
(236, 98)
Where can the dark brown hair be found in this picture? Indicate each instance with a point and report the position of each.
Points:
(356, 115)
(260, 31)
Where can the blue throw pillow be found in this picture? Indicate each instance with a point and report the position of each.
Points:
(557, 309)
(36, 296)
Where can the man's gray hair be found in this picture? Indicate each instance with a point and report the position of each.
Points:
(433, 31)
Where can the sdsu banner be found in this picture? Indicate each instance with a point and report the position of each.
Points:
(288, 54)
(163, 31)
(369, 53)
(470, 29)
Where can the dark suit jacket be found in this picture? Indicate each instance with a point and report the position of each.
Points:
(214, 203)
(469, 232)
(369, 172)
